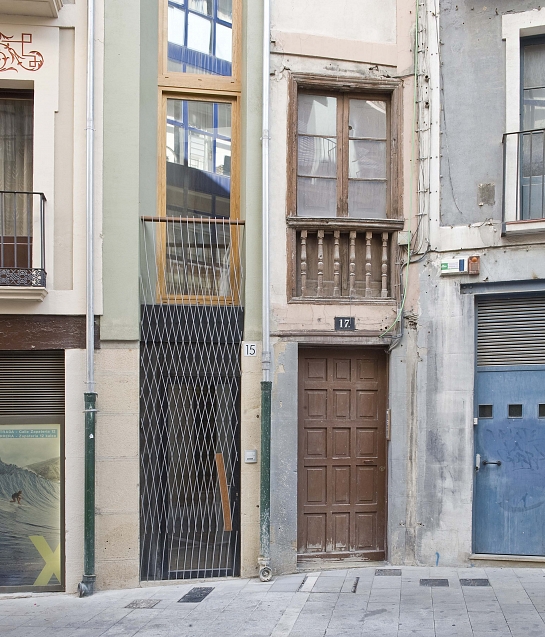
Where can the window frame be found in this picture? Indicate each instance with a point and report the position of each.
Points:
(349, 88)
(234, 203)
(515, 28)
(174, 79)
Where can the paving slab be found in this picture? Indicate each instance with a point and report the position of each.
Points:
(317, 604)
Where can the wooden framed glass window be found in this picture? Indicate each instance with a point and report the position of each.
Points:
(343, 155)
(200, 37)
(198, 243)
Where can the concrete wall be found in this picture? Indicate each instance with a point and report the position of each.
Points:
(375, 42)
(473, 120)
(432, 371)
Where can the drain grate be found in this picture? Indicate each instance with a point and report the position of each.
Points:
(434, 582)
(196, 594)
(474, 582)
(143, 603)
(396, 572)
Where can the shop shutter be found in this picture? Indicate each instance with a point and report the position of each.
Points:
(511, 331)
(31, 383)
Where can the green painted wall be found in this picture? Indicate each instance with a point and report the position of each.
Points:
(130, 124)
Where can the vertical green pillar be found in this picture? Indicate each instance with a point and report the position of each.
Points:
(265, 571)
(88, 583)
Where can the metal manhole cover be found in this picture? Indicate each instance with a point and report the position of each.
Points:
(474, 582)
(196, 594)
(143, 603)
(388, 571)
(434, 582)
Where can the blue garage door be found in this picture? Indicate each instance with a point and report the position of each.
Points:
(509, 511)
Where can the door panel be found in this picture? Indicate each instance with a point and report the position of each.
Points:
(342, 452)
(509, 511)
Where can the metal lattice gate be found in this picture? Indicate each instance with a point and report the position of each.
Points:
(190, 403)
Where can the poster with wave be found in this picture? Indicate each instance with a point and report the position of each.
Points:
(30, 506)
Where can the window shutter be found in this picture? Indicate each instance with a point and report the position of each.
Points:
(32, 383)
(511, 331)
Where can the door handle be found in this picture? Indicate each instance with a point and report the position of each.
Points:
(498, 462)
(477, 462)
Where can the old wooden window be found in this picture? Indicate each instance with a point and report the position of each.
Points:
(343, 156)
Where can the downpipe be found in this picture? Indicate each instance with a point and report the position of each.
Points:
(87, 585)
(265, 570)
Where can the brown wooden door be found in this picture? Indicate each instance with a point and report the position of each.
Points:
(342, 453)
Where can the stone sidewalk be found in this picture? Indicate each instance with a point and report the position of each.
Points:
(386, 602)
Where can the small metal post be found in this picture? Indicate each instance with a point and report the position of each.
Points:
(87, 585)
(265, 571)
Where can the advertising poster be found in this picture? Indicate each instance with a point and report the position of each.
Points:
(30, 506)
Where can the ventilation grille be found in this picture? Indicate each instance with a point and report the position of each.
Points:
(31, 383)
(511, 331)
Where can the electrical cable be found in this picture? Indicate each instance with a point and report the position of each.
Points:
(411, 198)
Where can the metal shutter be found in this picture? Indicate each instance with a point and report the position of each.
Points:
(32, 383)
(511, 331)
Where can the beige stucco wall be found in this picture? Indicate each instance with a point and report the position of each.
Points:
(60, 151)
(117, 465)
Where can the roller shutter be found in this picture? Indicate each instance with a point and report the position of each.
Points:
(511, 331)
(31, 383)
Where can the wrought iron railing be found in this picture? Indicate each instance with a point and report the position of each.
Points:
(22, 239)
(343, 258)
(524, 175)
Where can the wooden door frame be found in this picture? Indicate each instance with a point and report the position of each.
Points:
(349, 556)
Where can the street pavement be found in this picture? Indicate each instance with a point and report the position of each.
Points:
(385, 602)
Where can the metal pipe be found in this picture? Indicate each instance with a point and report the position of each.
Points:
(86, 586)
(265, 571)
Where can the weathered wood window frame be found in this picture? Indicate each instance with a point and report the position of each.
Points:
(366, 264)
(347, 88)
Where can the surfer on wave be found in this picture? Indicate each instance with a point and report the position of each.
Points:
(16, 497)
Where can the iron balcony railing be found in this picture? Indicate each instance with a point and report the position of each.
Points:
(191, 261)
(524, 175)
(22, 239)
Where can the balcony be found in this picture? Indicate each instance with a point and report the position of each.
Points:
(22, 245)
(343, 260)
(191, 261)
(524, 180)
(42, 8)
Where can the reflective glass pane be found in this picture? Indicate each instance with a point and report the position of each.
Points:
(201, 115)
(225, 10)
(223, 157)
(199, 33)
(176, 25)
(317, 115)
(534, 109)
(367, 199)
(224, 120)
(200, 37)
(367, 159)
(367, 119)
(532, 176)
(224, 42)
(202, 6)
(317, 156)
(534, 65)
(198, 154)
(316, 197)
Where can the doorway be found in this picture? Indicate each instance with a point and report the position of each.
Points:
(342, 453)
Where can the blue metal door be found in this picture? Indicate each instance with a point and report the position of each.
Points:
(509, 511)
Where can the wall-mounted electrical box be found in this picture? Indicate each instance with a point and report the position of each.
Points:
(250, 456)
(462, 265)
